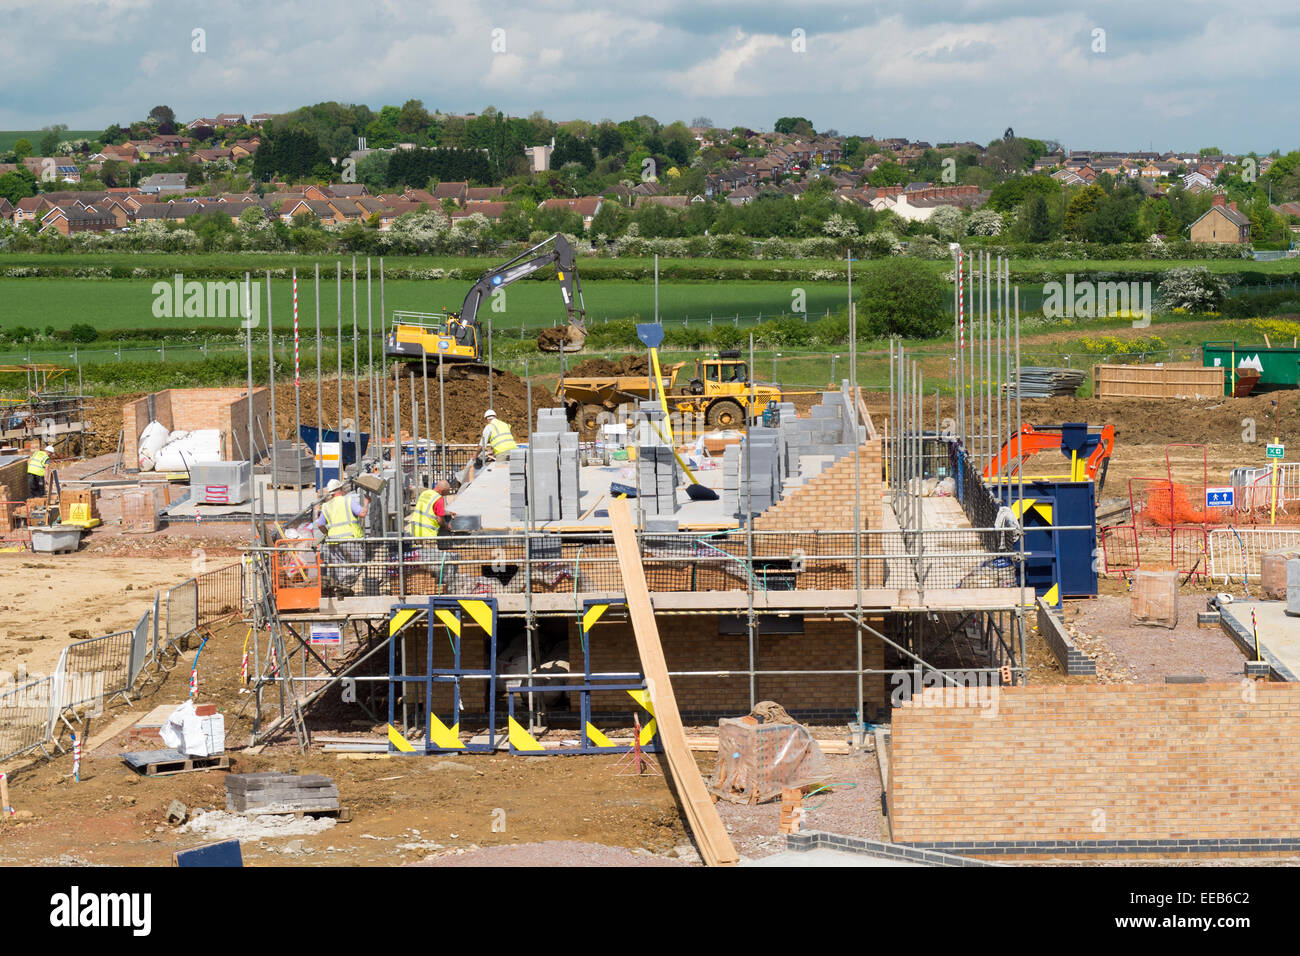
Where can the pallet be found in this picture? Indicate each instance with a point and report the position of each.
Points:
(164, 763)
(342, 814)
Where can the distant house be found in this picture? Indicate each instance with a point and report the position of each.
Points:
(539, 157)
(584, 206)
(485, 194)
(257, 119)
(347, 190)
(231, 119)
(672, 202)
(6, 210)
(1221, 223)
(456, 192)
(206, 156)
(742, 195)
(73, 219)
(51, 168)
(244, 148)
(491, 210)
(1196, 181)
(164, 183)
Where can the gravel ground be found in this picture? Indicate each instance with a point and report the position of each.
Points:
(1146, 655)
(554, 853)
(846, 810)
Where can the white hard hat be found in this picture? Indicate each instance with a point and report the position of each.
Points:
(490, 413)
(334, 485)
(49, 448)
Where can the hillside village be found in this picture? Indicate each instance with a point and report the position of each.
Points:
(634, 179)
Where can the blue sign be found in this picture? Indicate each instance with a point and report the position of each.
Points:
(1219, 497)
(443, 345)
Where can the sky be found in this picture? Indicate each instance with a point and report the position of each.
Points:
(1101, 75)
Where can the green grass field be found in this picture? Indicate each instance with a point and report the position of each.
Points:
(130, 303)
(10, 136)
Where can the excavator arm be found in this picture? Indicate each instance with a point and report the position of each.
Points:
(1031, 441)
(523, 265)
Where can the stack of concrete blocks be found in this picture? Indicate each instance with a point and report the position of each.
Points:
(657, 482)
(752, 472)
(547, 470)
(657, 474)
(280, 792)
(1293, 587)
(519, 484)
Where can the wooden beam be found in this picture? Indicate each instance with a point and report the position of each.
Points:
(716, 848)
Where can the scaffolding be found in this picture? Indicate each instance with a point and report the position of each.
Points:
(944, 603)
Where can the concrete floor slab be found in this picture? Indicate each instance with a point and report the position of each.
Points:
(1279, 634)
(824, 856)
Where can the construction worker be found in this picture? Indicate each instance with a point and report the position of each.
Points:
(36, 465)
(340, 517)
(431, 516)
(497, 439)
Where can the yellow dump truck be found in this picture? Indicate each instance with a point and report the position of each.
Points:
(717, 389)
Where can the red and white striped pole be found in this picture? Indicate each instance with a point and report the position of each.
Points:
(296, 382)
(961, 320)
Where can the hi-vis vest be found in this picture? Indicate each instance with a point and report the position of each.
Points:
(37, 462)
(499, 438)
(424, 523)
(340, 522)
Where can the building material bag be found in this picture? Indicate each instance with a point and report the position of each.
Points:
(756, 761)
(1154, 601)
(184, 450)
(152, 439)
(192, 735)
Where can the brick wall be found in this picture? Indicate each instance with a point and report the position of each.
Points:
(827, 500)
(13, 480)
(1100, 762)
(694, 644)
(189, 409)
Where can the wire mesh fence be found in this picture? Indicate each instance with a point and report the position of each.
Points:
(25, 717)
(220, 593)
(182, 604)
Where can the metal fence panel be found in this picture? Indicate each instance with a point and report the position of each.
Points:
(141, 637)
(220, 593)
(182, 610)
(1240, 551)
(25, 717)
(91, 670)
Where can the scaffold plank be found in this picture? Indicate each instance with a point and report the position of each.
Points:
(716, 848)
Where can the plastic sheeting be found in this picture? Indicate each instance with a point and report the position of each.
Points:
(756, 761)
(184, 450)
(152, 439)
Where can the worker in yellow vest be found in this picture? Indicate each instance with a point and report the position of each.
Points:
(430, 515)
(497, 438)
(340, 517)
(37, 463)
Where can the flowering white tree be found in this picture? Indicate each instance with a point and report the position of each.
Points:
(986, 222)
(949, 221)
(839, 227)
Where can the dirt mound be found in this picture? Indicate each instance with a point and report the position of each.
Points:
(464, 396)
(628, 365)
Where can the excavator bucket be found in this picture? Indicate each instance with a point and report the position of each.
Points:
(562, 339)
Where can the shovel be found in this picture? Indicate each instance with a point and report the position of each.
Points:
(695, 491)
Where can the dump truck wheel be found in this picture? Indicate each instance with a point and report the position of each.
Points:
(725, 414)
(589, 420)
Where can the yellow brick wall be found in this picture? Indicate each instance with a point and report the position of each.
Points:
(827, 500)
(1100, 762)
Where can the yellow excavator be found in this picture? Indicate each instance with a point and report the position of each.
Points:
(458, 336)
